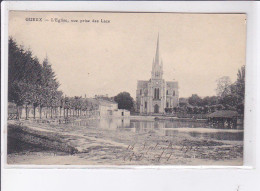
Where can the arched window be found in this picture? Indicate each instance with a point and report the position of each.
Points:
(167, 92)
(167, 104)
(140, 91)
(145, 105)
(156, 93)
(173, 93)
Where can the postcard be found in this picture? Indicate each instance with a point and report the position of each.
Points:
(126, 88)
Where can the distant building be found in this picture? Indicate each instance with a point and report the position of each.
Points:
(155, 95)
(107, 108)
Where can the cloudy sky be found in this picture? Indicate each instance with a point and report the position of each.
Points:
(107, 58)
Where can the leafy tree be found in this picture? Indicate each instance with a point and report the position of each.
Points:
(124, 100)
(49, 85)
(24, 74)
(195, 100)
(29, 82)
(240, 89)
(209, 100)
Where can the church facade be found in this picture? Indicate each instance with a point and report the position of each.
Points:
(156, 94)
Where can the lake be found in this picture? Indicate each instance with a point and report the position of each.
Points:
(164, 128)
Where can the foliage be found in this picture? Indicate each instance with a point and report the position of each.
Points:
(124, 100)
(195, 100)
(236, 98)
(230, 96)
(29, 82)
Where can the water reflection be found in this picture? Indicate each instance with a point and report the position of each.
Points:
(165, 128)
(234, 136)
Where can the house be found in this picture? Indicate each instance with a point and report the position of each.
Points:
(108, 108)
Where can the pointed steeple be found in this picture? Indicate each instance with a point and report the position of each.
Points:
(157, 70)
(157, 52)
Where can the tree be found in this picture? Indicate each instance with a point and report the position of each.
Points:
(209, 100)
(49, 85)
(195, 100)
(223, 86)
(24, 75)
(124, 100)
(239, 89)
(229, 101)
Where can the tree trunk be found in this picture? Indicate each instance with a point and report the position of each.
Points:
(34, 112)
(18, 114)
(51, 112)
(40, 112)
(47, 112)
(26, 112)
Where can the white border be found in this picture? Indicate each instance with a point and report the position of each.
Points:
(220, 177)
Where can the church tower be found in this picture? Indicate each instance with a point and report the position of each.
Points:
(157, 69)
(155, 95)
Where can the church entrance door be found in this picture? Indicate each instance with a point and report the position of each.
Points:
(156, 109)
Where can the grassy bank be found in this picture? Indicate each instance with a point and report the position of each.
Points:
(23, 138)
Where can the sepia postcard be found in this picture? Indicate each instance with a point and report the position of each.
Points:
(126, 88)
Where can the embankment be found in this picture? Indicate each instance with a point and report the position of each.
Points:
(23, 138)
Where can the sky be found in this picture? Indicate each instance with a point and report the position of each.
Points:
(95, 58)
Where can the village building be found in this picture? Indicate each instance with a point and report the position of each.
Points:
(110, 109)
(106, 108)
(156, 94)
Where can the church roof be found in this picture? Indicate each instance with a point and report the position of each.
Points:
(172, 83)
(142, 83)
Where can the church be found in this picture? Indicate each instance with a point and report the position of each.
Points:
(156, 94)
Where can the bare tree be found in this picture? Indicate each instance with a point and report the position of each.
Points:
(223, 86)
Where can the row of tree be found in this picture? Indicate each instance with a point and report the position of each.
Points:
(31, 83)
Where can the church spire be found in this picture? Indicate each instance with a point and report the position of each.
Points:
(157, 70)
(157, 52)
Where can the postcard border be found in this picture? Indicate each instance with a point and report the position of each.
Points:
(252, 137)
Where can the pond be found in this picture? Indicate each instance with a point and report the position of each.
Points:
(164, 128)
